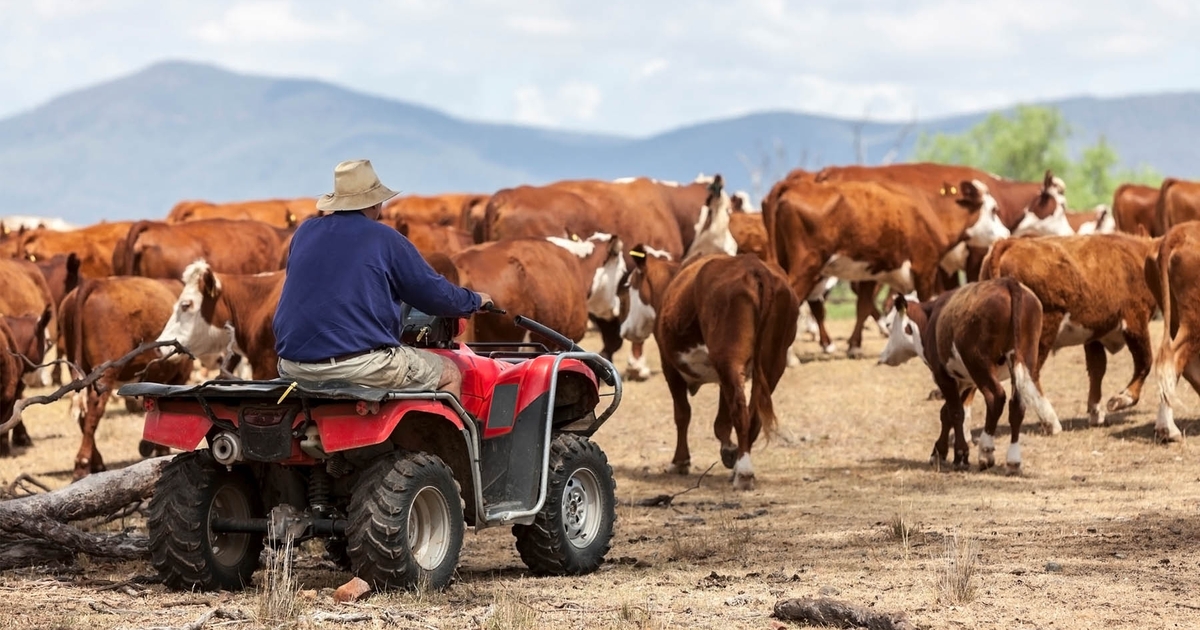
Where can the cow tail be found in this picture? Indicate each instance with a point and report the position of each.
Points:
(127, 264)
(1160, 207)
(1164, 364)
(771, 343)
(1025, 350)
(81, 295)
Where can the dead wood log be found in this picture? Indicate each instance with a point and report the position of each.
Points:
(87, 381)
(829, 612)
(44, 518)
(28, 553)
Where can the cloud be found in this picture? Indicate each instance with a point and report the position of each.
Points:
(531, 107)
(271, 21)
(533, 25)
(653, 67)
(574, 101)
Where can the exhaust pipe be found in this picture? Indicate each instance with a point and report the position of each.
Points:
(226, 448)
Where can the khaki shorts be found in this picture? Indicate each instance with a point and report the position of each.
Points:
(390, 368)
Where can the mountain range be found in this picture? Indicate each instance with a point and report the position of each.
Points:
(134, 146)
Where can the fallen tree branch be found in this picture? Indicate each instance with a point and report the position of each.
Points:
(44, 518)
(25, 478)
(665, 500)
(221, 613)
(81, 384)
(829, 612)
(31, 367)
(28, 553)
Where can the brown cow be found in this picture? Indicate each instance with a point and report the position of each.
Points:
(972, 338)
(22, 345)
(1173, 273)
(750, 234)
(1178, 201)
(102, 320)
(716, 319)
(1093, 293)
(870, 232)
(1048, 215)
(558, 282)
(93, 245)
(1135, 209)
(459, 210)
(154, 249)
(282, 213)
(24, 291)
(212, 304)
(429, 238)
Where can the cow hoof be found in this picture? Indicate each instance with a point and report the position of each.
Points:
(1052, 428)
(22, 440)
(935, 395)
(146, 449)
(855, 353)
(830, 349)
(792, 360)
(986, 461)
(633, 374)
(743, 482)
(1167, 435)
(1013, 468)
(1096, 418)
(680, 469)
(728, 456)
(1120, 401)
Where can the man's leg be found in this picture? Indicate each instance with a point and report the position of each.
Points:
(451, 379)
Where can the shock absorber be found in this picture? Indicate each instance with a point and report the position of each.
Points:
(320, 485)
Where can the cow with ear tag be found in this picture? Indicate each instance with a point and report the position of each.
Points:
(717, 319)
(971, 338)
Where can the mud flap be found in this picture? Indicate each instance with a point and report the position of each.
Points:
(511, 464)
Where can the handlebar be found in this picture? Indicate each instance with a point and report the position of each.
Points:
(602, 372)
(490, 307)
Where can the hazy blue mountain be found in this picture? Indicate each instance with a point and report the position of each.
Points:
(134, 146)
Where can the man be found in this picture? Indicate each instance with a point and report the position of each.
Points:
(339, 314)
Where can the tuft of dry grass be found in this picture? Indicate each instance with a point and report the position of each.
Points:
(512, 610)
(902, 528)
(279, 603)
(691, 546)
(640, 616)
(955, 582)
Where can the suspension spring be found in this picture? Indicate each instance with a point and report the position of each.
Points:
(320, 485)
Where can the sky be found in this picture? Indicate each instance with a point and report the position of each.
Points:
(627, 67)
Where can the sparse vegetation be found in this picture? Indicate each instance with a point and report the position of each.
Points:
(902, 529)
(278, 592)
(512, 610)
(956, 580)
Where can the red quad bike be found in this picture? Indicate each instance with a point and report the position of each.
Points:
(387, 478)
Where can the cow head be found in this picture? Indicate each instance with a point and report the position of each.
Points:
(1046, 215)
(712, 227)
(988, 228)
(604, 253)
(193, 321)
(1103, 224)
(740, 201)
(30, 338)
(652, 271)
(904, 333)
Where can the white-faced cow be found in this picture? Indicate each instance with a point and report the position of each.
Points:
(716, 319)
(972, 338)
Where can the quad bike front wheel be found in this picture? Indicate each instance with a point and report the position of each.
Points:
(571, 534)
(405, 523)
(192, 493)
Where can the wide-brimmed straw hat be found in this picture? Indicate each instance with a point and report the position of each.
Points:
(355, 186)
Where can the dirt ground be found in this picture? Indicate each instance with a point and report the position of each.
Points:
(1101, 530)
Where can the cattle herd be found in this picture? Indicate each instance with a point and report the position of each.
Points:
(719, 287)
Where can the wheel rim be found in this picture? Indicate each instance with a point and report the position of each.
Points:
(582, 508)
(228, 548)
(429, 528)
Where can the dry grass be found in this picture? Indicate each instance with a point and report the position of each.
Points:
(956, 580)
(279, 603)
(1118, 512)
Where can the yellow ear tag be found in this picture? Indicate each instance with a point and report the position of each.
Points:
(637, 254)
(575, 237)
(953, 190)
(286, 392)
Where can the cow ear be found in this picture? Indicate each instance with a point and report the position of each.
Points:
(615, 246)
(1048, 180)
(208, 283)
(72, 264)
(638, 253)
(402, 226)
(901, 303)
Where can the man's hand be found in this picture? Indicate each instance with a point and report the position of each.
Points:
(484, 300)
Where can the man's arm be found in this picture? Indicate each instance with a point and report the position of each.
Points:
(420, 286)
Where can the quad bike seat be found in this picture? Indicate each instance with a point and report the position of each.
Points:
(273, 389)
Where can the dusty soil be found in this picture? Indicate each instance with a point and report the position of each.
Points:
(1102, 529)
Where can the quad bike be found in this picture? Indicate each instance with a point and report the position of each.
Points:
(387, 478)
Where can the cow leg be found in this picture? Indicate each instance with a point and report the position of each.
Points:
(610, 335)
(1137, 338)
(864, 309)
(994, 398)
(818, 313)
(88, 460)
(682, 462)
(1165, 428)
(951, 416)
(1016, 416)
(1179, 359)
(737, 413)
(1097, 364)
(20, 436)
(1051, 321)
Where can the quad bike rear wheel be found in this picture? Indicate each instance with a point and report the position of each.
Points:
(405, 523)
(572, 533)
(192, 493)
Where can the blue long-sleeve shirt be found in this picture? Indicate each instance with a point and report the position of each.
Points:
(346, 275)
